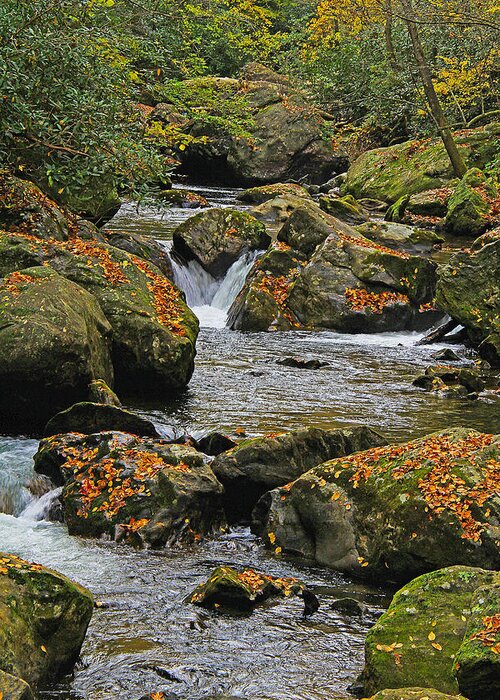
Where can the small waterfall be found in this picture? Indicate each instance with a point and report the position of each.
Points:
(210, 299)
(40, 508)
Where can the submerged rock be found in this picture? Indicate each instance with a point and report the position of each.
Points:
(392, 512)
(259, 464)
(122, 486)
(242, 590)
(54, 340)
(467, 289)
(419, 640)
(43, 621)
(302, 363)
(218, 237)
(454, 380)
(183, 198)
(88, 417)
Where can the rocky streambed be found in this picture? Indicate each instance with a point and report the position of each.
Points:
(144, 637)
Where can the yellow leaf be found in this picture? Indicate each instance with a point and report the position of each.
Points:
(278, 550)
(431, 636)
(272, 537)
(336, 496)
(437, 646)
(43, 649)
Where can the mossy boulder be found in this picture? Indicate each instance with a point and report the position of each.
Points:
(96, 199)
(433, 203)
(344, 208)
(89, 417)
(13, 688)
(275, 212)
(43, 621)
(241, 590)
(401, 236)
(418, 640)
(100, 392)
(441, 378)
(414, 166)
(393, 512)
(256, 465)
(282, 134)
(469, 206)
(259, 195)
(414, 694)
(467, 289)
(183, 198)
(153, 331)
(477, 663)
(143, 247)
(218, 237)
(143, 489)
(54, 340)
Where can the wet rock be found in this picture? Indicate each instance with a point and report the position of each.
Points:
(54, 340)
(44, 618)
(477, 663)
(88, 417)
(241, 590)
(446, 355)
(218, 237)
(125, 487)
(183, 198)
(394, 511)
(414, 694)
(259, 195)
(259, 464)
(467, 289)
(153, 332)
(349, 606)
(302, 363)
(99, 392)
(414, 166)
(275, 212)
(400, 236)
(13, 688)
(344, 208)
(143, 247)
(469, 205)
(215, 443)
(416, 642)
(441, 377)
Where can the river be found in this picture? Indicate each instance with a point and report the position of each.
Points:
(144, 637)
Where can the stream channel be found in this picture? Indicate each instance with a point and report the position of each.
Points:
(144, 637)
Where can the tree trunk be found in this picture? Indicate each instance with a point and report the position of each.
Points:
(456, 159)
(389, 46)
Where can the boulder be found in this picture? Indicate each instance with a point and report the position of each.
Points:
(153, 331)
(439, 377)
(256, 465)
(282, 135)
(446, 355)
(344, 208)
(393, 512)
(275, 212)
(469, 206)
(183, 198)
(414, 694)
(215, 443)
(143, 247)
(259, 195)
(477, 663)
(88, 417)
(433, 203)
(54, 340)
(467, 289)
(142, 489)
(401, 237)
(96, 200)
(99, 392)
(241, 590)
(43, 621)
(414, 166)
(349, 606)
(13, 688)
(418, 640)
(218, 237)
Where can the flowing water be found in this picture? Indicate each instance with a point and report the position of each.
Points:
(144, 637)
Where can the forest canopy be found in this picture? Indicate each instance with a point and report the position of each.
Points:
(72, 72)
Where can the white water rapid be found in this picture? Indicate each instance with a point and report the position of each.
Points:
(209, 298)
